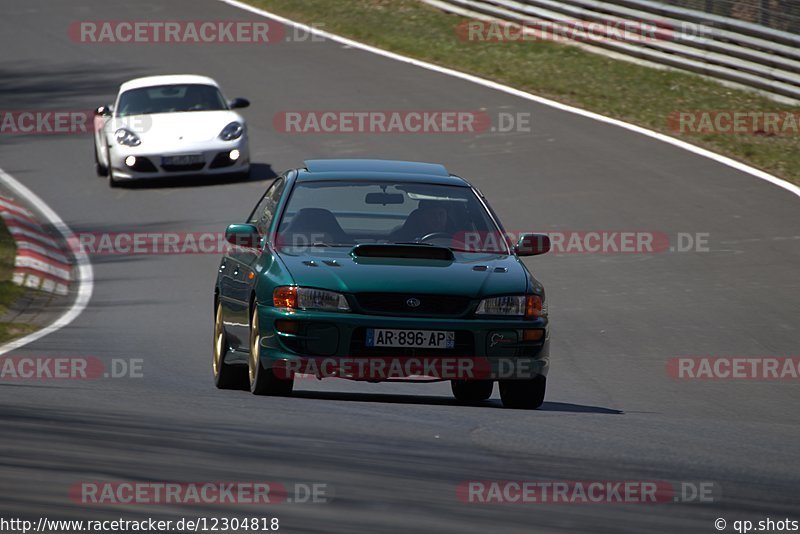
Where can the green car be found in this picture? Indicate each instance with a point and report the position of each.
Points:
(379, 271)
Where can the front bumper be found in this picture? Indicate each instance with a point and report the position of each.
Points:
(332, 344)
(149, 163)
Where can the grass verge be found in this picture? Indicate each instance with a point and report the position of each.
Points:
(9, 292)
(619, 89)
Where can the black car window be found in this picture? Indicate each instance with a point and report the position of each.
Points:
(345, 213)
(170, 99)
(265, 211)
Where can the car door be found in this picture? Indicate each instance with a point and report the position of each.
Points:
(238, 270)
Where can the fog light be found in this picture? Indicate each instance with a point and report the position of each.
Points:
(532, 335)
(234, 155)
(130, 161)
(287, 327)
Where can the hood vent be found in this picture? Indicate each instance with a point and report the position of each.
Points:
(416, 252)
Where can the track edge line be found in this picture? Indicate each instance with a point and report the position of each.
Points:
(85, 277)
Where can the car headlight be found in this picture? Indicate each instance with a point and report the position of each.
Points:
(232, 131)
(127, 138)
(527, 306)
(306, 298)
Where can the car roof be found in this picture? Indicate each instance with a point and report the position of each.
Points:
(173, 79)
(378, 169)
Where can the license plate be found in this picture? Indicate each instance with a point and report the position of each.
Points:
(188, 159)
(422, 339)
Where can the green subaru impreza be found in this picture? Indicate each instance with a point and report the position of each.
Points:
(379, 271)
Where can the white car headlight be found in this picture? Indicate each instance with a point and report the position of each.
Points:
(306, 298)
(527, 306)
(232, 131)
(127, 138)
(502, 306)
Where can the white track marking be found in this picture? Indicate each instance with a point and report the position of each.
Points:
(522, 94)
(85, 279)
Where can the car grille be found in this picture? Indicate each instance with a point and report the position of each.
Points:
(398, 304)
(184, 168)
(464, 346)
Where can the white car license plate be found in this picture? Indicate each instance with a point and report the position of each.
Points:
(423, 339)
(187, 159)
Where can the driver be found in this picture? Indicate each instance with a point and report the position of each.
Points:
(428, 218)
(434, 219)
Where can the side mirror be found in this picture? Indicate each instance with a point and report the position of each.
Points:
(238, 103)
(103, 111)
(532, 245)
(242, 235)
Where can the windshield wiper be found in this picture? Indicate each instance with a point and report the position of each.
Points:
(454, 249)
(479, 251)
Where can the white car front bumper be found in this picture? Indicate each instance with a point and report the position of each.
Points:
(213, 157)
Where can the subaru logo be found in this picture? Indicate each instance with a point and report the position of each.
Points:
(413, 302)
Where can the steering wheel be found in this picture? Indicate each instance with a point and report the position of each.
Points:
(434, 235)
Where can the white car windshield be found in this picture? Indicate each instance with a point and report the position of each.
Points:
(170, 99)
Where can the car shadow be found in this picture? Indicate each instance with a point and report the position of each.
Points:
(259, 172)
(390, 398)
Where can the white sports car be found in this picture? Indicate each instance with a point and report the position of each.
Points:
(170, 126)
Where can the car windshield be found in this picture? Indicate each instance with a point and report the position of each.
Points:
(170, 99)
(346, 213)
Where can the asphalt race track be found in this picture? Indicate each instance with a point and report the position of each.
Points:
(393, 455)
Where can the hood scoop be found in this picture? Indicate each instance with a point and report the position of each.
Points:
(414, 252)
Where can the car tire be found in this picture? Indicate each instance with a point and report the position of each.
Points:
(226, 376)
(523, 394)
(264, 381)
(472, 390)
(101, 169)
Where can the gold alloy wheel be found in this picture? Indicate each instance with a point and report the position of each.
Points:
(219, 340)
(255, 346)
